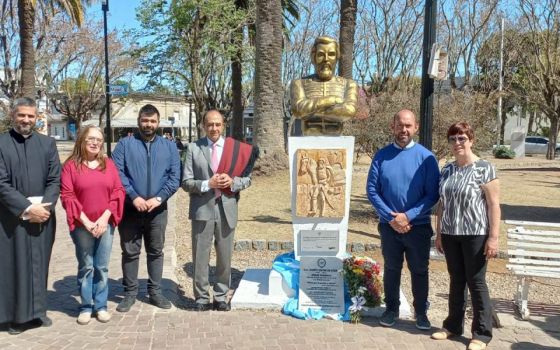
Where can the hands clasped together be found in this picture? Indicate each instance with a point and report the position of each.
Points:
(99, 227)
(400, 223)
(39, 213)
(143, 205)
(220, 181)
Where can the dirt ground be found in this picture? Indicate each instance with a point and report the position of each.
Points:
(530, 190)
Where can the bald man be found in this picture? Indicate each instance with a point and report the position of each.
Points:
(403, 185)
(216, 170)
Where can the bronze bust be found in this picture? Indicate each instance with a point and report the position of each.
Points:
(324, 101)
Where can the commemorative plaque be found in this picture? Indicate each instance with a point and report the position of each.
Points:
(321, 284)
(318, 242)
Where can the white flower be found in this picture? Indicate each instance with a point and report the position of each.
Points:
(362, 290)
(358, 303)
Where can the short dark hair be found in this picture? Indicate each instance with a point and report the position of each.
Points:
(22, 102)
(148, 109)
(212, 110)
(461, 128)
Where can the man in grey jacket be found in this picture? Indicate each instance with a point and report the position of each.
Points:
(214, 194)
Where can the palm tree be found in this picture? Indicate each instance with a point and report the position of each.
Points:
(268, 127)
(348, 12)
(290, 14)
(26, 19)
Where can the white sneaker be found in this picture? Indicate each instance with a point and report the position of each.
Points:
(103, 316)
(84, 318)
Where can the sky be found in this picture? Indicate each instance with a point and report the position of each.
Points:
(121, 15)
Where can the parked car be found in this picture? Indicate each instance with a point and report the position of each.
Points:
(538, 145)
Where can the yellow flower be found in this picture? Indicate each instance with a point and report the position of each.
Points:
(358, 271)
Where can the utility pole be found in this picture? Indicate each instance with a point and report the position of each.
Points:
(426, 96)
(105, 8)
(500, 85)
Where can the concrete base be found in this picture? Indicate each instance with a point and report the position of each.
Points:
(404, 309)
(265, 289)
(261, 289)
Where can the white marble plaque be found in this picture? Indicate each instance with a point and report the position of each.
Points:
(321, 284)
(318, 242)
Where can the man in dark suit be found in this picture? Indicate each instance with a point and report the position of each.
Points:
(29, 189)
(214, 192)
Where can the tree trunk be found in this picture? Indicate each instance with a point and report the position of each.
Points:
(348, 13)
(503, 126)
(26, 18)
(531, 122)
(268, 122)
(237, 86)
(552, 137)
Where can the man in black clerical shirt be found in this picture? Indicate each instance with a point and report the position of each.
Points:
(29, 189)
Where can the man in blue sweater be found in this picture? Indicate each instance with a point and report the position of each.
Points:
(402, 185)
(150, 170)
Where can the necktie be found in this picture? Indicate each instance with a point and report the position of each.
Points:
(214, 162)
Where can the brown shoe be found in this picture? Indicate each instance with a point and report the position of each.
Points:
(442, 334)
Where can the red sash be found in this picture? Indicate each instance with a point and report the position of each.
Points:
(235, 158)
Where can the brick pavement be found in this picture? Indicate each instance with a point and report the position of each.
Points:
(146, 327)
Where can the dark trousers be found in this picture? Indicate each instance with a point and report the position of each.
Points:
(466, 264)
(415, 245)
(133, 227)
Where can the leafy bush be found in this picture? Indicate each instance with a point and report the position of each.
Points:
(504, 152)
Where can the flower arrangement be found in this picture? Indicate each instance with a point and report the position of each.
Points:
(365, 285)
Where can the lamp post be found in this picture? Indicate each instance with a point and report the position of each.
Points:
(427, 86)
(190, 117)
(105, 8)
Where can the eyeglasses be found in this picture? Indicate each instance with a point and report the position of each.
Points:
(94, 140)
(461, 139)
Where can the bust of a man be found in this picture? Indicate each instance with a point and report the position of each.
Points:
(324, 101)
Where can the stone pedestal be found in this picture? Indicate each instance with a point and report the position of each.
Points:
(321, 183)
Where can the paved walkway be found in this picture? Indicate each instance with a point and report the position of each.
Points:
(146, 327)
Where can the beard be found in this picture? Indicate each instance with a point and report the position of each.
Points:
(147, 132)
(325, 71)
(24, 129)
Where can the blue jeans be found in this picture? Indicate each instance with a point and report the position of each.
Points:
(93, 267)
(415, 245)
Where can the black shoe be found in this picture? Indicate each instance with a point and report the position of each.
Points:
(203, 307)
(126, 303)
(160, 301)
(221, 306)
(17, 328)
(44, 321)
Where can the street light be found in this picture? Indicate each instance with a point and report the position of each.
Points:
(105, 8)
(427, 87)
(190, 100)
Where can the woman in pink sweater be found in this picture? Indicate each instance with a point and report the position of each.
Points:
(93, 196)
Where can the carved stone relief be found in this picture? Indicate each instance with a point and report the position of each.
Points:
(321, 182)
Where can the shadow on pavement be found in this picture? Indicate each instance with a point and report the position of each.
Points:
(531, 346)
(530, 213)
(188, 268)
(65, 297)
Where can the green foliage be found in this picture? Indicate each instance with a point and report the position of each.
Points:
(75, 86)
(504, 152)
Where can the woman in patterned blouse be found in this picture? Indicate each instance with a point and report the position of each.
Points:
(468, 224)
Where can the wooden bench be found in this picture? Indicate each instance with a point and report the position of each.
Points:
(532, 253)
